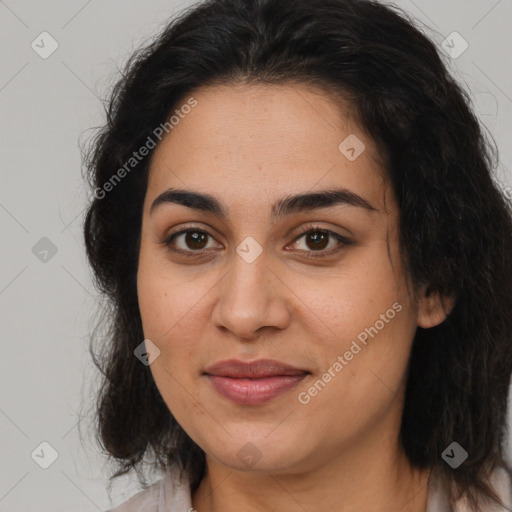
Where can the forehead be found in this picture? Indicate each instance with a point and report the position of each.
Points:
(266, 140)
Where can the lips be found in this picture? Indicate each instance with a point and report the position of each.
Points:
(253, 383)
(253, 370)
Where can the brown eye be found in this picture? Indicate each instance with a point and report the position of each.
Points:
(316, 240)
(319, 239)
(195, 239)
(191, 242)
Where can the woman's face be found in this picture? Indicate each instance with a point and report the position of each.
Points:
(340, 311)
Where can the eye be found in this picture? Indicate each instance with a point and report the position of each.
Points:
(193, 238)
(317, 238)
(194, 242)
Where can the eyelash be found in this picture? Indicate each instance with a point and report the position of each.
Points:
(308, 229)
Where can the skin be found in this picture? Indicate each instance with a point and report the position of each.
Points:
(250, 145)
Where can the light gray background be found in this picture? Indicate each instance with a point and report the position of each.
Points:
(47, 307)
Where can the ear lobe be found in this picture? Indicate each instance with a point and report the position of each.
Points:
(433, 307)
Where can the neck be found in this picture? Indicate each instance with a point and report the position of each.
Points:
(363, 482)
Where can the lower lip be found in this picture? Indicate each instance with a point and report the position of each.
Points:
(254, 391)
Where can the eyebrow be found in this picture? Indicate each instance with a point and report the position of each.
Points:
(283, 207)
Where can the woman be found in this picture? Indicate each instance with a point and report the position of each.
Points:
(307, 262)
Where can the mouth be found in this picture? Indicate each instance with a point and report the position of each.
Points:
(253, 383)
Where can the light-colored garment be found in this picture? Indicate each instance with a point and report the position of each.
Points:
(172, 494)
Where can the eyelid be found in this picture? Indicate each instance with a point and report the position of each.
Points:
(184, 229)
(343, 241)
(314, 227)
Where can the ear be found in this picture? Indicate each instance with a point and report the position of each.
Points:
(433, 307)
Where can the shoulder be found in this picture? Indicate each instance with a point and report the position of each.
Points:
(144, 501)
(172, 492)
(502, 485)
(438, 500)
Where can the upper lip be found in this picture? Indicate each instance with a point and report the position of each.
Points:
(254, 369)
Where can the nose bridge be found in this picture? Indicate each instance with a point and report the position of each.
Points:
(250, 296)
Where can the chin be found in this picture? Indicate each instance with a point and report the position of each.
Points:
(253, 453)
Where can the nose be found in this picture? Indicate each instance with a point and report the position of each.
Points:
(252, 298)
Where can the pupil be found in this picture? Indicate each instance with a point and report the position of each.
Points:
(195, 238)
(316, 236)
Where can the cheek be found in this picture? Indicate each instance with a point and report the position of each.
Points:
(366, 318)
(347, 303)
(164, 300)
(173, 317)
(170, 320)
(358, 382)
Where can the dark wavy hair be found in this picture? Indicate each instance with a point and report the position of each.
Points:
(455, 223)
